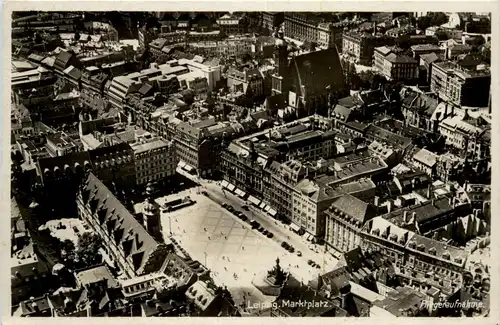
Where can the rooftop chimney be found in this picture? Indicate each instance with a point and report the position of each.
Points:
(405, 217)
(390, 205)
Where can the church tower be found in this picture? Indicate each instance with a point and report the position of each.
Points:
(280, 57)
(151, 214)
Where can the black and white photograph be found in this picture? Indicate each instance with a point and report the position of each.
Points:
(249, 163)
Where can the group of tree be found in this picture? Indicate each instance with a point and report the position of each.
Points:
(363, 80)
(432, 19)
(84, 254)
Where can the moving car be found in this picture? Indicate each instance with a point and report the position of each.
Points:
(204, 193)
(299, 253)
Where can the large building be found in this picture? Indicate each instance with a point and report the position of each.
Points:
(32, 87)
(302, 26)
(460, 86)
(155, 160)
(345, 218)
(471, 135)
(419, 260)
(129, 246)
(394, 66)
(231, 24)
(272, 20)
(360, 46)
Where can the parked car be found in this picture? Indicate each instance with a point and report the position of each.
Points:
(285, 245)
(204, 193)
(230, 208)
(310, 262)
(318, 266)
(224, 205)
(270, 235)
(291, 249)
(261, 229)
(245, 207)
(299, 253)
(243, 217)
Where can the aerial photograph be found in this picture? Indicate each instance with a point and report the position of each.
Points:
(238, 164)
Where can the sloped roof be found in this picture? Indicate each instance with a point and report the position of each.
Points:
(426, 157)
(317, 70)
(62, 60)
(127, 233)
(430, 57)
(352, 206)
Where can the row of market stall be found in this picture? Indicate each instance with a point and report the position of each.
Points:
(250, 198)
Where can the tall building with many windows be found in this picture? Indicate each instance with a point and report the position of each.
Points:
(155, 160)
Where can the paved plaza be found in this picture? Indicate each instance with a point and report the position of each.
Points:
(228, 247)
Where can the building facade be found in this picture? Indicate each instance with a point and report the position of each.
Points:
(459, 86)
(360, 47)
(155, 160)
(344, 221)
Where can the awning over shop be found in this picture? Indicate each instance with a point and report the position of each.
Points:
(262, 205)
(254, 200)
(224, 184)
(240, 193)
(272, 212)
(267, 208)
(294, 227)
(181, 164)
(188, 168)
(230, 187)
(310, 237)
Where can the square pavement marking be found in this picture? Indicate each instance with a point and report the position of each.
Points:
(238, 231)
(211, 221)
(227, 222)
(234, 239)
(230, 249)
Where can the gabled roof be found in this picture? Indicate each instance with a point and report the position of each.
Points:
(127, 233)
